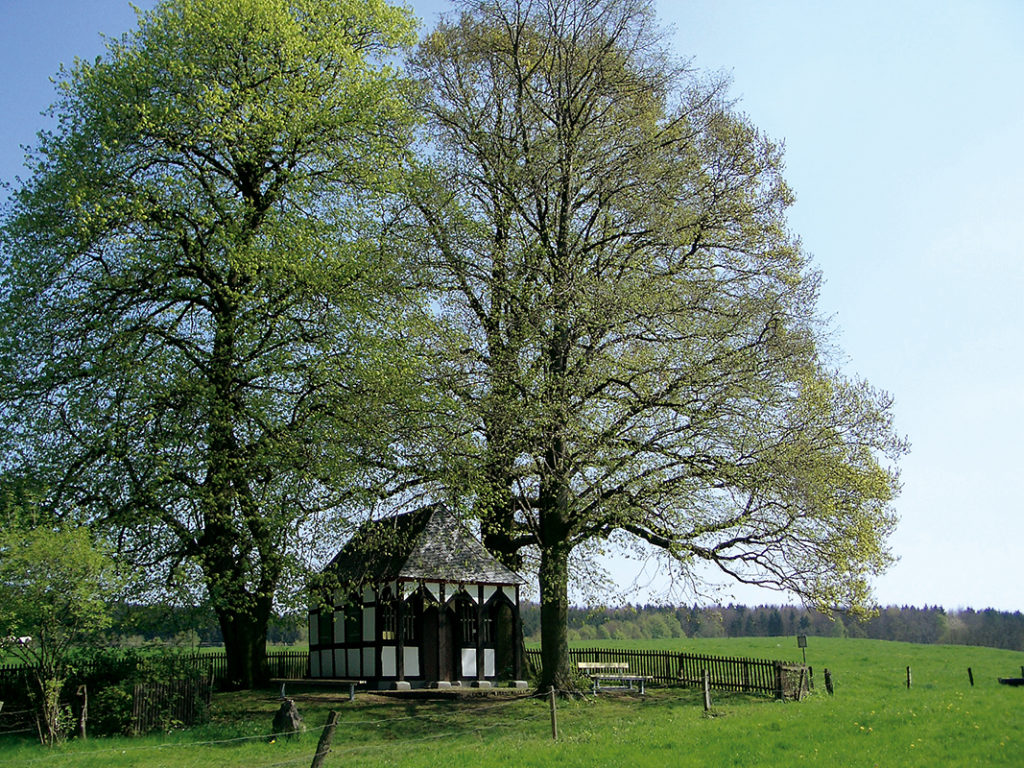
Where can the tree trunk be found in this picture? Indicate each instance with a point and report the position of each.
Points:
(554, 618)
(245, 644)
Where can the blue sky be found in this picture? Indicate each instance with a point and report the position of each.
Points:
(904, 126)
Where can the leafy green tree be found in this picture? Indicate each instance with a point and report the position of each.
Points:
(627, 325)
(197, 296)
(57, 586)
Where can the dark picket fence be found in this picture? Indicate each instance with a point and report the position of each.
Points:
(170, 704)
(277, 664)
(758, 676)
(213, 666)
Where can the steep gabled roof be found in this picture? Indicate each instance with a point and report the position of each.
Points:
(430, 543)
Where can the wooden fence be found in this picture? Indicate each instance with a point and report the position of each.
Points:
(277, 664)
(213, 665)
(760, 676)
(172, 703)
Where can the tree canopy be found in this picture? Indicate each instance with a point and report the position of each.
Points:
(625, 321)
(197, 300)
(211, 348)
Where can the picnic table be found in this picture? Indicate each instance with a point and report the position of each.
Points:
(612, 671)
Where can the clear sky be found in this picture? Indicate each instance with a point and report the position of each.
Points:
(904, 131)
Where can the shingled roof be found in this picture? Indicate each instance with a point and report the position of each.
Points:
(430, 544)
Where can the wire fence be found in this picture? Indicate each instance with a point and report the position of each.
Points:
(187, 754)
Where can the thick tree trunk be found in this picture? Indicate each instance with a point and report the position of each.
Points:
(245, 644)
(554, 618)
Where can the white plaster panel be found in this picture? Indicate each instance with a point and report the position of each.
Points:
(489, 592)
(314, 630)
(469, 662)
(369, 625)
(339, 626)
(314, 665)
(412, 662)
(435, 589)
(369, 668)
(388, 662)
(355, 667)
(488, 662)
(339, 662)
(326, 668)
(368, 595)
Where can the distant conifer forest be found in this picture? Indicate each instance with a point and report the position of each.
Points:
(929, 625)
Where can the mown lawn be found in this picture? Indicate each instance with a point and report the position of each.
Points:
(873, 719)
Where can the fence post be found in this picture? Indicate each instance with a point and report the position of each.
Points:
(324, 745)
(707, 691)
(970, 676)
(908, 678)
(554, 714)
(828, 682)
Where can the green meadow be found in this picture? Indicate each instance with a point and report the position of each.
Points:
(872, 720)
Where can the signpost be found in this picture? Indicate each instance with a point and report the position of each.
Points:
(801, 643)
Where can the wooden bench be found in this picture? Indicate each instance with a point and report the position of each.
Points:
(612, 671)
(319, 681)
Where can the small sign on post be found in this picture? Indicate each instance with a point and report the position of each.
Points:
(801, 643)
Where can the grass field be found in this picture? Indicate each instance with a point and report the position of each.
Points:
(873, 719)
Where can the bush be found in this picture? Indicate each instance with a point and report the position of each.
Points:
(111, 711)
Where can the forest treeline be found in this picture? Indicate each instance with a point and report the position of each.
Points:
(929, 625)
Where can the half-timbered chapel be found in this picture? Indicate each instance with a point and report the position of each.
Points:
(418, 602)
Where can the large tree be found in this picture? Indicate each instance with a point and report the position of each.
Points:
(625, 321)
(197, 296)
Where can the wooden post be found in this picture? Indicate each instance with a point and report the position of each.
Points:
(399, 597)
(517, 647)
(442, 651)
(707, 690)
(480, 666)
(828, 682)
(970, 676)
(326, 737)
(908, 678)
(554, 714)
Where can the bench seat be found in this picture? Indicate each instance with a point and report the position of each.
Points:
(319, 681)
